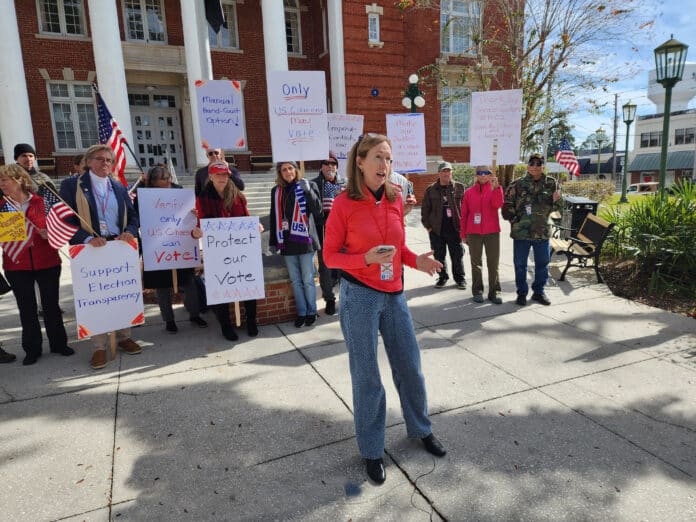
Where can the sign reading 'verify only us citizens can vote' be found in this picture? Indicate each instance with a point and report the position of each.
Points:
(107, 287)
(233, 265)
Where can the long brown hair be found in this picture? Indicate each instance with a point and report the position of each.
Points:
(356, 178)
(279, 179)
(229, 194)
(17, 173)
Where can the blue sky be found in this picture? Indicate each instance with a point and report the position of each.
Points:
(677, 17)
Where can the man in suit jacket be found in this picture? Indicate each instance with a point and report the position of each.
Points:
(105, 203)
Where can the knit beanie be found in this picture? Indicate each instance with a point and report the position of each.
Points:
(21, 148)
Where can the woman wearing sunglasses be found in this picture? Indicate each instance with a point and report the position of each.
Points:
(480, 228)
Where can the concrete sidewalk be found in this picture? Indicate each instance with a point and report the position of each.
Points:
(582, 410)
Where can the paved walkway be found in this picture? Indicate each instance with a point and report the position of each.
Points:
(583, 410)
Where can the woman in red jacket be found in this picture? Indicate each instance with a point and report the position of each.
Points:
(365, 238)
(29, 262)
(480, 228)
(220, 198)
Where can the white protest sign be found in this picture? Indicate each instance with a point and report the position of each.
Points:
(297, 113)
(495, 115)
(166, 222)
(107, 287)
(221, 114)
(344, 131)
(407, 134)
(233, 264)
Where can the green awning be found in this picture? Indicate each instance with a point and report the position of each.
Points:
(682, 159)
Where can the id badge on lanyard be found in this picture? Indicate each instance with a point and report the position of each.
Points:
(386, 271)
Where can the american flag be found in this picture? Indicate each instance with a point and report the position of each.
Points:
(110, 134)
(59, 230)
(14, 248)
(565, 156)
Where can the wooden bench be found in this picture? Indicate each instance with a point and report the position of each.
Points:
(231, 160)
(587, 245)
(261, 162)
(46, 165)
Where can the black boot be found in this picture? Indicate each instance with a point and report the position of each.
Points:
(222, 312)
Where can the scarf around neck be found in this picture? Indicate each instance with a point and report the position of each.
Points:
(299, 225)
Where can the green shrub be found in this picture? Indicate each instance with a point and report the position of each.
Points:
(660, 234)
(595, 190)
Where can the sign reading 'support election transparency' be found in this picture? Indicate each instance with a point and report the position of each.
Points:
(12, 226)
(407, 134)
(233, 266)
(221, 114)
(107, 287)
(297, 112)
(166, 222)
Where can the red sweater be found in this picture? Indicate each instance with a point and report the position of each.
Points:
(38, 255)
(480, 199)
(355, 226)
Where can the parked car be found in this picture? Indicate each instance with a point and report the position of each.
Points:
(643, 188)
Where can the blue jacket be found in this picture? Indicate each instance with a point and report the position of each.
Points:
(68, 191)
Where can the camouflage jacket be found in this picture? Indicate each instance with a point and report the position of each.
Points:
(527, 207)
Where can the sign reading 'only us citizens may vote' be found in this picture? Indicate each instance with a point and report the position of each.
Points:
(221, 114)
(297, 112)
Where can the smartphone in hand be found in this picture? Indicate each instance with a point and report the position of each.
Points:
(383, 249)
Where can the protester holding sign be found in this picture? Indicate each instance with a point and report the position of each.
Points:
(295, 212)
(221, 198)
(365, 238)
(105, 213)
(32, 261)
(162, 280)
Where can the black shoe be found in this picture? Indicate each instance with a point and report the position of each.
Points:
(252, 328)
(541, 298)
(440, 283)
(199, 321)
(375, 470)
(434, 446)
(310, 319)
(330, 308)
(171, 327)
(6, 357)
(228, 332)
(66, 350)
(521, 299)
(462, 284)
(299, 321)
(30, 359)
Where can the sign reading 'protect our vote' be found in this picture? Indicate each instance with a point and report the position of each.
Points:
(107, 287)
(233, 265)
(221, 114)
(297, 111)
(166, 222)
(407, 134)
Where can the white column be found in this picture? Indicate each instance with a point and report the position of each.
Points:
(15, 115)
(275, 46)
(202, 25)
(338, 71)
(111, 71)
(194, 70)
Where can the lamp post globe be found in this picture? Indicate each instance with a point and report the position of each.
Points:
(670, 58)
(600, 137)
(413, 97)
(629, 114)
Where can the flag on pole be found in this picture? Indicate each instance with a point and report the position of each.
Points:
(111, 135)
(566, 157)
(59, 230)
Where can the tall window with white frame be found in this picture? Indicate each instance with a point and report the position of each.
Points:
(459, 21)
(144, 21)
(73, 114)
(61, 17)
(228, 37)
(455, 111)
(293, 34)
(373, 28)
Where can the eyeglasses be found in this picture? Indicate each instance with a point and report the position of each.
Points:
(330, 163)
(213, 153)
(483, 172)
(103, 160)
(536, 163)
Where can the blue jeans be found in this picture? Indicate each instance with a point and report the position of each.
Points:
(364, 313)
(542, 255)
(301, 271)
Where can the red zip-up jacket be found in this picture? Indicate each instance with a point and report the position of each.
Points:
(480, 199)
(38, 255)
(355, 226)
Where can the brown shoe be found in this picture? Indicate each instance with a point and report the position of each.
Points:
(129, 346)
(98, 360)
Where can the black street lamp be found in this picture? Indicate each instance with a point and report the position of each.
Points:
(629, 114)
(412, 96)
(600, 137)
(669, 67)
